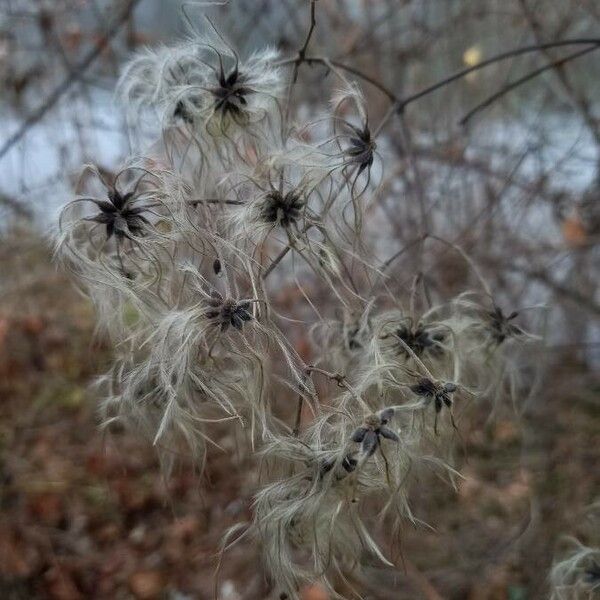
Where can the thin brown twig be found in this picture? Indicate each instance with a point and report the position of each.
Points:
(276, 261)
(216, 201)
(326, 62)
(572, 294)
(528, 77)
(578, 98)
(339, 378)
(301, 55)
(313, 24)
(417, 178)
(298, 419)
(403, 103)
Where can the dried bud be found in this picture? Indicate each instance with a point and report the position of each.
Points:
(227, 311)
(369, 435)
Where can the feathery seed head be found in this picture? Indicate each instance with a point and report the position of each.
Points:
(231, 91)
(420, 338)
(374, 428)
(500, 325)
(227, 311)
(361, 147)
(282, 209)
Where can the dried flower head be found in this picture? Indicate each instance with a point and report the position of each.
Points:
(124, 213)
(284, 209)
(436, 391)
(203, 83)
(500, 326)
(227, 311)
(355, 141)
(420, 338)
(120, 216)
(361, 147)
(374, 428)
(231, 91)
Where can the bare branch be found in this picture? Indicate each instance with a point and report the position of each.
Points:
(515, 84)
